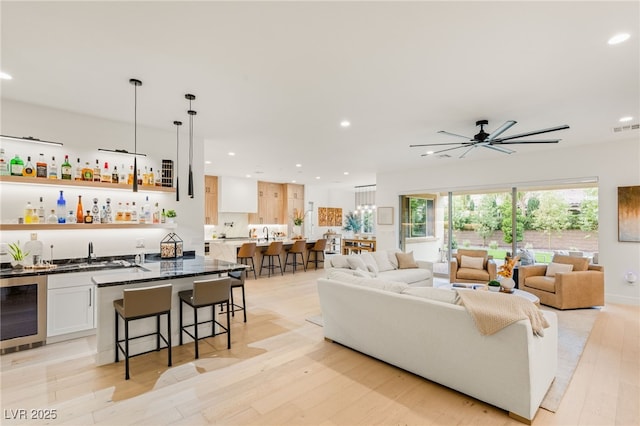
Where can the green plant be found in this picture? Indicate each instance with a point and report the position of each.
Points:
(352, 222)
(493, 283)
(466, 243)
(493, 245)
(171, 213)
(16, 252)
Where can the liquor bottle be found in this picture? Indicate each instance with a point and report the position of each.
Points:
(142, 216)
(16, 166)
(78, 175)
(130, 176)
(163, 217)
(71, 217)
(88, 218)
(53, 169)
(120, 213)
(65, 169)
(156, 214)
(127, 213)
(4, 166)
(106, 174)
(123, 175)
(115, 176)
(41, 212)
(152, 178)
(28, 169)
(147, 210)
(28, 213)
(53, 217)
(41, 167)
(139, 177)
(79, 210)
(97, 173)
(104, 218)
(134, 212)
(87, 172)
(62, 208)
(95, 211)
(109, 211)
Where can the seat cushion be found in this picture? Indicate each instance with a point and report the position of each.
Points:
(541, 283)
(479, 275)
(408, 276)
(382, 260)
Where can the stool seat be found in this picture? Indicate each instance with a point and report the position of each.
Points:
(206, 293)
(138, 303)
(317, 250)
(296, 249)
(245, 255)
(273, 251)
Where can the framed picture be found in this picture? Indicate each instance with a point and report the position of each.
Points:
(629, 213)
(385, 215)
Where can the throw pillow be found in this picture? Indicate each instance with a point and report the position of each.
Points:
(370, 262)
(406, 261)
(382, 260)
(355, 262)
(554, 268)
(472, 262)
(433, 293)
(392, 257)
(339, 261)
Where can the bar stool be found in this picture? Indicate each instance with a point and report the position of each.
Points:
(317, 249)
(206, 293)
(138, 303)
(274, 250)
(246, 253)
(296, 249)
(237, 281)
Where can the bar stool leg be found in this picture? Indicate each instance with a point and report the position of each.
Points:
(195, 329)
(117, 335)
(126, 349)
(180, 336)
(158, 333)
(244, 305)
(169, 337)
(228, 327)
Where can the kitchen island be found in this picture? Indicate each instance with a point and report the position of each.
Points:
(179, 272)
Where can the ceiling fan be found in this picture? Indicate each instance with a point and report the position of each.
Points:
(492, 140)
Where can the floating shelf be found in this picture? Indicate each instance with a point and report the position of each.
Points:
(85, 226)
(82, 183)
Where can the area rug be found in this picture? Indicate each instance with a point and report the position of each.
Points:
(574, 327)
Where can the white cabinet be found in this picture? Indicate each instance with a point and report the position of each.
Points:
(70, 309)
(237, 195)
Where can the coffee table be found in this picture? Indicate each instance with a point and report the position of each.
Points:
(480, 287)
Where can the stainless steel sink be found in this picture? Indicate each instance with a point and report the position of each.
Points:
(86, 266)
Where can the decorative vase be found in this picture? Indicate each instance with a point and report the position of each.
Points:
(507, 284)
(494, 288)
(17, 264)
(297, 231)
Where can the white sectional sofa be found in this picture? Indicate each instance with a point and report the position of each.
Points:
(423, 331)
(392, 265)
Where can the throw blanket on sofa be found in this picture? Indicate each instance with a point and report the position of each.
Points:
(493, 311)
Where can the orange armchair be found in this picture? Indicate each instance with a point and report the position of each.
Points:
(582, 287)
(472, 266)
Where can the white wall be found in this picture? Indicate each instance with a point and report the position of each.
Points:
(614, 164)
(82, 135)
(323, 196)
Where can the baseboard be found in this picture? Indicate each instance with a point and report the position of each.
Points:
(622, 300)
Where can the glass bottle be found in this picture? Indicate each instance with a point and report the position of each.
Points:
(71, 217)
(4, 166)
(28, 213)
(87, 172)
(130, 176)
(104, 218)
(88, 218)
(106, 174)
(78, 175)
(53, 169)
(95, 211)
(16, 166)
(65, 169)
(147, 210)
(139, 177)
(134, 212)
(120, 213)
(41, 167)
(109, 211)
(152, 178)
(62, 208)
(52, 218)
(115, 176)
(28, 169)
(41, 212)
(163, 217)
(79, 210)
(97, 173)
(127, 213)
(123, 175)
(156, 214)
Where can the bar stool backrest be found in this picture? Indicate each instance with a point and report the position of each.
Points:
(274, 249)
(298, 247)
(320, 245)
(207, 292)
(247, 250)
(146, 300)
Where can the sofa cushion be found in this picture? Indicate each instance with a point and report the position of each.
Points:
(479, 275)
(339, 261)
(433, 293)
(391, 254)
(382, 260)
(408, 276)
(541, 283)
(472, 262)
(380, 284)
(370, 262)
(362, 273)
(554, 268)
(472, 253)
(406, 260)
(356, 262)
(579, 263)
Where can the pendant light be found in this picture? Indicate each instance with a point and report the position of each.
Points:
(191, 113)
(178, 124)
(135, 83)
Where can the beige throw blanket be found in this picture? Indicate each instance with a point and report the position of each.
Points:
(493, 311)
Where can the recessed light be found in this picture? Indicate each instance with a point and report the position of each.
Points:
(248, 176)
(625, 119)
(231, 154)
(429, 152)
(345, 123)
(619, 38)
(345, 173)
(207, 162)
(5, 76)
(317, 177)
(298, 165)
(293, 181)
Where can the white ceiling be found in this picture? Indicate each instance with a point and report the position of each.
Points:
(273, 80)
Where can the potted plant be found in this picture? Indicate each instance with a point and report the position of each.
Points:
(17, 254)
(493, 285)
(298, 220)
(171, 216)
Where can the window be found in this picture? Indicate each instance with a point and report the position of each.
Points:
(418, 216)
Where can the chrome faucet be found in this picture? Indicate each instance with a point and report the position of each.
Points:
(90, 256)
(266, 233)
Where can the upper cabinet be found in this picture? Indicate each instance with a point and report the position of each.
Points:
(211, 200)
(271, 204)
(237, 195)
(294, 201)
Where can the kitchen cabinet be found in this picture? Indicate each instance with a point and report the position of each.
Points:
(237, 195)
(271, 204)
(294, 201)
(211, 200)
(70, 309)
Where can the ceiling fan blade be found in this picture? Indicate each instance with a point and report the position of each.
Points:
(437, 144)
(444, 150)
(536, 132)
(467, 151)
(531, 141)
(500, 149)
(500, 130)
(455, 135)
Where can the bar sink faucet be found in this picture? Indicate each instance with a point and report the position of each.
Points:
(90, 255)
(266, 233)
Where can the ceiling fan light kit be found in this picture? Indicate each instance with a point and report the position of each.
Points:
(492, 140)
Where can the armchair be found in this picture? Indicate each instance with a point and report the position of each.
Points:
(472, 266)
(582, 287)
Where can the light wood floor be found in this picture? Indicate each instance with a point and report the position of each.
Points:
(281, 371)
